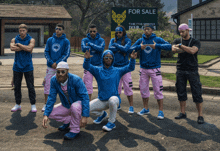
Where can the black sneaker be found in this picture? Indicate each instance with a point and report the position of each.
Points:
(200, 120)
(180, 116)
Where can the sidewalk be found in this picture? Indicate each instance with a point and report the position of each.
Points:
(75, 61)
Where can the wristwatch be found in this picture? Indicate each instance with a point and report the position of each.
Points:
(180, 45)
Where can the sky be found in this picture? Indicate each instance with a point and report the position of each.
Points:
(171, 6)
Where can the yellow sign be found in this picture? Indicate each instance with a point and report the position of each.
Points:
(112, 34)
(119, 18)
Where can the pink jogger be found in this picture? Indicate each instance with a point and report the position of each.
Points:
(49, 74)
(127, 84)
(88, 80)
(72, 115)
(155, 75)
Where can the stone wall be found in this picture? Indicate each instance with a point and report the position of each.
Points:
(209, 48)
(209, 10)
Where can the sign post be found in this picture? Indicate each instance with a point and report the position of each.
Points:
(190, 24)
(133, 18)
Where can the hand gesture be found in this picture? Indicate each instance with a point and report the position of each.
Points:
(87, 54)
(54, 65)
(174, 48)
(143, 46)
(83, 122)
(153, 46)
(45, 119)
(134, 54)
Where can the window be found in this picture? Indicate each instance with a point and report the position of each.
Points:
(206, 29)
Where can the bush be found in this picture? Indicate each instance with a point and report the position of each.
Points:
(135, 34)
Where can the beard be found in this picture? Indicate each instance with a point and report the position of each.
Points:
(62, 78)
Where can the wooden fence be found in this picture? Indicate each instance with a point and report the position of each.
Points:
(75, 43)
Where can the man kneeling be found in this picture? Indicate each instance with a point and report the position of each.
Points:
(74, 107)
(108, 78)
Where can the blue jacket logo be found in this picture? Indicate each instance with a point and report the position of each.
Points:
(148, 49)
(56, 47)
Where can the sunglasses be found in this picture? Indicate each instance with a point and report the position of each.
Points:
(108, 58)
(92, 31)
(58, 29)
(118, 32)
(61, 71)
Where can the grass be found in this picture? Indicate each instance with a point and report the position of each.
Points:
(209, 81)
(201, 58)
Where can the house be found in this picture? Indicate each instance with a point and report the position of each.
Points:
(206, 23)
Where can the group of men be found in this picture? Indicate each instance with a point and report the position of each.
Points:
(111, 69)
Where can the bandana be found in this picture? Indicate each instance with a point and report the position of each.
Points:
(63, 65)
(65, 83)
(119, 29)
(184, 27)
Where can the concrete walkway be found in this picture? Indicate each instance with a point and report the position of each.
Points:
(75, 61)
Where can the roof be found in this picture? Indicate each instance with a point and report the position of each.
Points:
(36, 12)
(190, 8)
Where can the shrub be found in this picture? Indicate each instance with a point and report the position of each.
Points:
(135, 34)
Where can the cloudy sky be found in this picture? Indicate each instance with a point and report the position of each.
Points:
(171, 6)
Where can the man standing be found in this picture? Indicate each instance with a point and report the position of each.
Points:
(23, 45)
(150, 63)
(187, 69)
(57, 49)
(108, 78)
(120, 47)
(74, 107)
(96, 45)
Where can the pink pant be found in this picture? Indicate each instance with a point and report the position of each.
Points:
(49, 74)
(155, 75)
(127, 84)
(72, 115)
(88, 80)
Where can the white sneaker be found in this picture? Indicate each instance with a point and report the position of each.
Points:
(33, 108)
(43, 109)
(16, 108)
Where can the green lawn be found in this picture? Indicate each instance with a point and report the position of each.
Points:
(201, 58)
(209, 81)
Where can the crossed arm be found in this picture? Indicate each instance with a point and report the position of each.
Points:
(191, 50)
(19, 47)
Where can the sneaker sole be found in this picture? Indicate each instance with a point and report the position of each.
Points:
(16, 110)
(108, 129)
(160, 118)
(33, 111)
(130, 112)
(143, 113)
(101, 120)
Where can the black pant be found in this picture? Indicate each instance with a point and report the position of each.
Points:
(195, 85)
(29, 77)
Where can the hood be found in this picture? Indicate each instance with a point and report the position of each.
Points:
(122, 37)
(97, 36)
(62, 37)
(151, 37)
(105, 53)
(26, 38)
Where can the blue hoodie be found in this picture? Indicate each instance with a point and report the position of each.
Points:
(57, 49)
(23, 59)
(108, 79)
(121, 52)
(76, 90)
(96, 46)
(150, 58)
